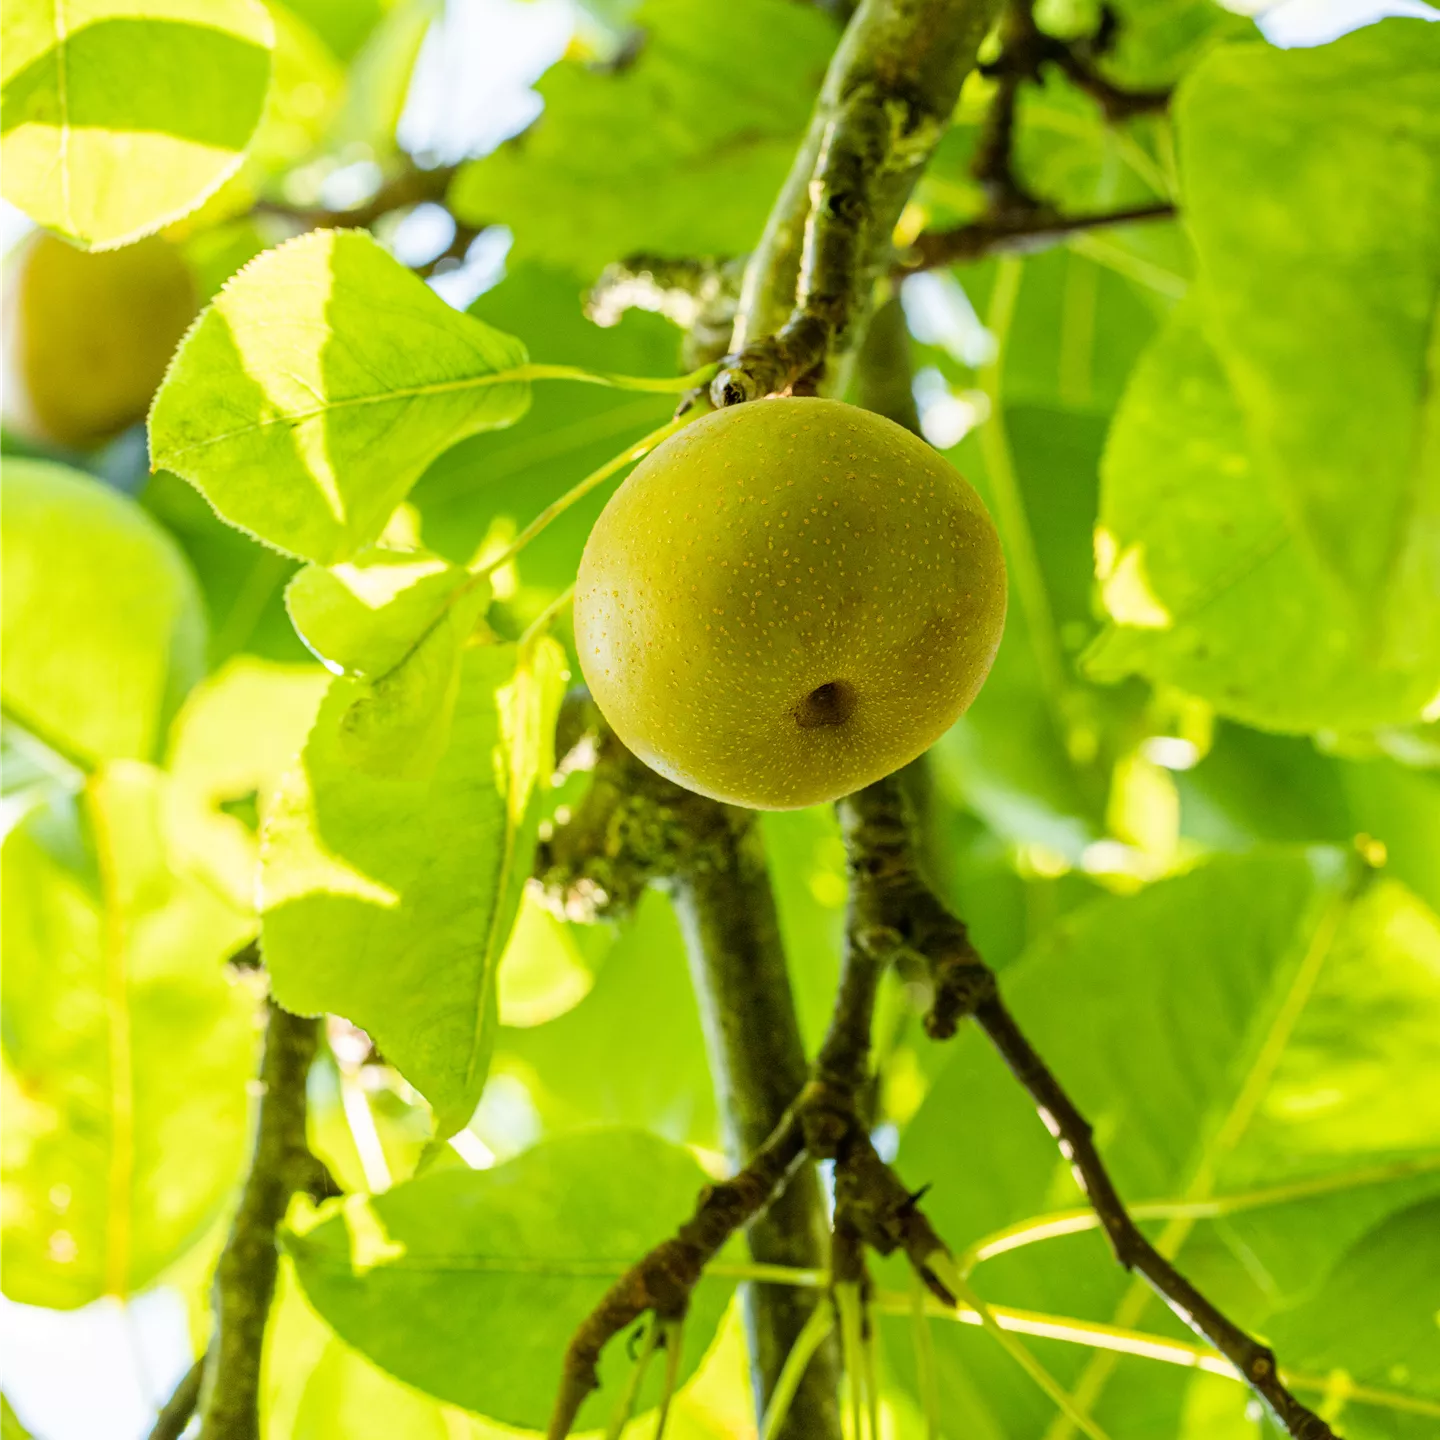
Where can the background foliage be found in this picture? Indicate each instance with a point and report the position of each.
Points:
(1194, 817)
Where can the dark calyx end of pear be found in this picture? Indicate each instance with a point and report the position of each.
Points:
(832, 703)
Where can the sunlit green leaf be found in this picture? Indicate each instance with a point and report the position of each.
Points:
(388, 898)
(343, 25)
(237, 734)
(103, 626)
(379, 78)
(366, 615)
(242, 580)
(317, 387)
(118, 117)
(345, 1395)
(126, 1046)
(1311, 184)
(10, 1426)
(1206, 580)
(469, 1284)
(305, 89)
(678, 152)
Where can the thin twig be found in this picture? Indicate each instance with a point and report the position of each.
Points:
(1019, 234)
(663, 1281)
(175, 1414)
(244, 1287)
(908, 917)
(1026, 50)
(1016, 220)
(1255, 1362)
(410, 186)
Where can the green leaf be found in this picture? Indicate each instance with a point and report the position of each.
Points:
(583, 1067)
(243, 581)
(387, 897)
(305, 89)
(104, 631)
(126, 1046)
(1252, 788)
(398, 725)
(1010, 758)
(379, 79)
(1156, 40)
(10, 1426)
(1206, 581)
(1255, 788)
(1400, 807)
(344, 25)
(1312, 192)
(345, 1396)
(318, 386)
(678, 153)
(364, 616)
(236, 736)
(1372, 1323)
(468, 1285)
(118, 117)
(1243, 1028)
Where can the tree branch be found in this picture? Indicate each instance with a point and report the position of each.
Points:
(407, 187)
(700, 296)
(1015, 220)
(1026, 50)
(737, 962)
(634, 823)
(886, 101)
(633, 829)
(907, 917)
(664, 1279)
(244, 1288)
(175, 1414)
(1017, 234)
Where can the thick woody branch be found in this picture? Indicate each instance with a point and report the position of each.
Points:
(886, 101)
(280, 1164)
(737, 962)
(634, 829)
(904, 915)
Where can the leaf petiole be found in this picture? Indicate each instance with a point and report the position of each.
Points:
(578, 492)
